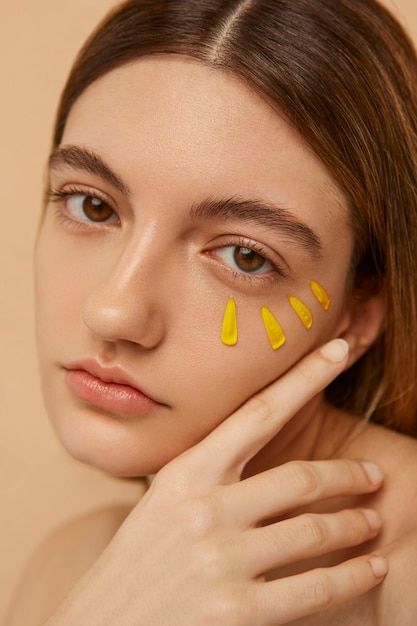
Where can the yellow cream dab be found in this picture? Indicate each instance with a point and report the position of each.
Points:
(321, 294)
(273, 329)
(229, 327)
(302, 311)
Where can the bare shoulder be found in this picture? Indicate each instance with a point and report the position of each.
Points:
(59, 561)
(397, 598)
(392, 603)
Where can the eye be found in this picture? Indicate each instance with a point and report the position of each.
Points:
(90, 208)
(245, 259)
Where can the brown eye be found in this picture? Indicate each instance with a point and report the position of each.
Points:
(245, 260)
(95, 209)
(85, 208)
(248, 260)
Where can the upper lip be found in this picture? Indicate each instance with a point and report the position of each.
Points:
(114, 374)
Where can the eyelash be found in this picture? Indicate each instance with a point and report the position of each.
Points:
(278, 270)
(60, 196)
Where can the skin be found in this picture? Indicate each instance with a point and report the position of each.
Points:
(197, 535)
(147, 290)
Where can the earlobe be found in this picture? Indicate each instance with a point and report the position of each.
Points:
(364, 324)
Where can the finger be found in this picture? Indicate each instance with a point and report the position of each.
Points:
(232, 444)
(292, 598)
(304, 537)
(294, 485)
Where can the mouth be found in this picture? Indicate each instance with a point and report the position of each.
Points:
(110, 389)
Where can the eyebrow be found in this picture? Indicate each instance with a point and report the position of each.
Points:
(261, 213)
(86, 160)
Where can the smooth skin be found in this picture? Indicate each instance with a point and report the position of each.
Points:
(232, 529)
(193, 550)
(145, 290)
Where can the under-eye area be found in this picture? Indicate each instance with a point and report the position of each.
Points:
(274, 331)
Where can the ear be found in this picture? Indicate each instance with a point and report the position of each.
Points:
(363, 324)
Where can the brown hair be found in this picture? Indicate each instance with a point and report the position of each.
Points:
(345, 75)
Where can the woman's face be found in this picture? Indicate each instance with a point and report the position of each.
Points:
(175, 188)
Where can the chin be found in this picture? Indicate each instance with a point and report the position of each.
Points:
(109, 446)
(113, 460)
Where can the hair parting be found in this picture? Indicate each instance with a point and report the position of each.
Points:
(353, 99)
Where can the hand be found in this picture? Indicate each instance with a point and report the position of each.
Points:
(194, 550)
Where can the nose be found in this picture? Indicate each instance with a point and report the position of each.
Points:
(126, 301)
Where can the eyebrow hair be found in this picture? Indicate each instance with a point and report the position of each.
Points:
(264, 214)
(89, 161)
(254, 211)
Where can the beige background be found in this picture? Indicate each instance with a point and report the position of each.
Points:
(40, 486)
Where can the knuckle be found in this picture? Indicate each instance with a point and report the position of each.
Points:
(200, 516)
(320, 593)
(349, 475)
(313, 532)
(304, 478)
(227, 609)
(260, 408)
(356, 581)
(357, 526)
(355, 522)
(307, 373)
(212, 559)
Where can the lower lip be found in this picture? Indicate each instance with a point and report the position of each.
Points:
(112, 397)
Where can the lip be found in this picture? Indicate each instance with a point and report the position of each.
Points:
(108, 388)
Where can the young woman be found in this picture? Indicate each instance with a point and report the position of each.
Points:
(232, 205)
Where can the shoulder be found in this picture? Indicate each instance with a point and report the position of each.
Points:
(397, 598)
(392, 602)
(60, 560)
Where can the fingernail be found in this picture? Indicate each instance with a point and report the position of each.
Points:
(372, 518)
(373, 472)
(335, 351)
(379, 566)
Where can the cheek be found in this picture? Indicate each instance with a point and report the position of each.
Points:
(59, 288)
(225, 376)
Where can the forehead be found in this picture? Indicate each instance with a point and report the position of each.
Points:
(201, 129)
